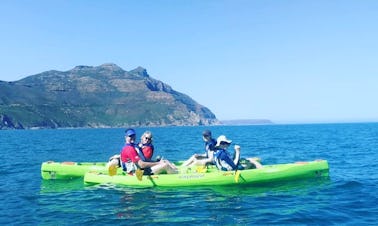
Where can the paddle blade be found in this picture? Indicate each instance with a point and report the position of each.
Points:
(237, 176)
(112, 170)
(139, 174)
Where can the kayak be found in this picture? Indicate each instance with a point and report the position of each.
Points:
(51, 170)
(212, 176)
(69, 170)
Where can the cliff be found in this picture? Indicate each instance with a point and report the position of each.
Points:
(102, 96)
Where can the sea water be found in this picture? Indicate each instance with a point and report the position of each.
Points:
(347, 197)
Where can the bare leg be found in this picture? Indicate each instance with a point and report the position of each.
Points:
(201, 162)
(254, 162)
(112, 166)
(158, 168)
(189, 161)
(112, 163)
(164, 166)
(196, 160)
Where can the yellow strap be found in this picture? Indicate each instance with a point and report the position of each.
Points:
(201, 169)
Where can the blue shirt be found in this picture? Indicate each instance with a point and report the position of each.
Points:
(223, 160)
(210, 146)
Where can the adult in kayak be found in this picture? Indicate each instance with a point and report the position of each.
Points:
(208, 156)
(133, 163)
(225, 162)
(146, 146)
(145, 150)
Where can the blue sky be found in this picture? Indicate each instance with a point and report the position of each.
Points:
(287, 61)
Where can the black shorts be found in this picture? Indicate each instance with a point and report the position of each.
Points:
(147, 171)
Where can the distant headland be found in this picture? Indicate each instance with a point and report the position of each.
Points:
(246, 122)
(97, 97)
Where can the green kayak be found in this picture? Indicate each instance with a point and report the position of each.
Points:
(51, 170)
(212, 177)
(69, 170)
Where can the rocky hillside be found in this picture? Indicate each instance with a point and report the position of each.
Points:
(103, 96)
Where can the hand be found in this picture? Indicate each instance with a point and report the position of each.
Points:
(237, 147)
(158, 158)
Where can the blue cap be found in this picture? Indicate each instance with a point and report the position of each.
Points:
(130, 132)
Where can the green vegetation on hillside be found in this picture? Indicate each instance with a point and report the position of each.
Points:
(103, 96)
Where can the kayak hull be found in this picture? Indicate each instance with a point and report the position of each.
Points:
(267, 174)
(68, 170)
(51, 170)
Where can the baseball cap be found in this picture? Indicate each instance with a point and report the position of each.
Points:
(130, 132)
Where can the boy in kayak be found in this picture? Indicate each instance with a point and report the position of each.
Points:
(224, 161)
(133, 163)
(207, 157)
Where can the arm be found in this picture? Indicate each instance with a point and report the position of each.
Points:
(143, 164)
(201, 155)
(237, 154)
(210, 157)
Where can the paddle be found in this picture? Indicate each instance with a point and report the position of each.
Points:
(112, 170)
(139, 174)
(237, 175)
(112, 165)
(152, 181)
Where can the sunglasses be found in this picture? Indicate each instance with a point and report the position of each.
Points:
(148, 138)
(224, 143)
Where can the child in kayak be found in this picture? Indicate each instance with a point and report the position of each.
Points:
(225, 162)
(207, 157)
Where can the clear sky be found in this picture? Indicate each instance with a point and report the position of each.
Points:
(287, 61)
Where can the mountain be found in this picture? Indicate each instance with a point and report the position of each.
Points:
(247, 122)
(102, 96)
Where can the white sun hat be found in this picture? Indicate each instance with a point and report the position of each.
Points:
(223, 138)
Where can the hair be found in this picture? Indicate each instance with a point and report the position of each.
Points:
(147, 133)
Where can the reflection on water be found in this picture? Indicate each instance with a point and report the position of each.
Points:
(180, 204)
(230, 190)
(48, 186)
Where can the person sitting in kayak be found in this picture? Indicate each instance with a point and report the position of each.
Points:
(146, 145)
(208, 156)
(145, 151)
(131, 161)
(224, 161)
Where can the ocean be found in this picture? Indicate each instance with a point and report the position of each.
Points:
(348, 197)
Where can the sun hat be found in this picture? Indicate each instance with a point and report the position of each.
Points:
(206, 133)
(223, 138)
(130, 132)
